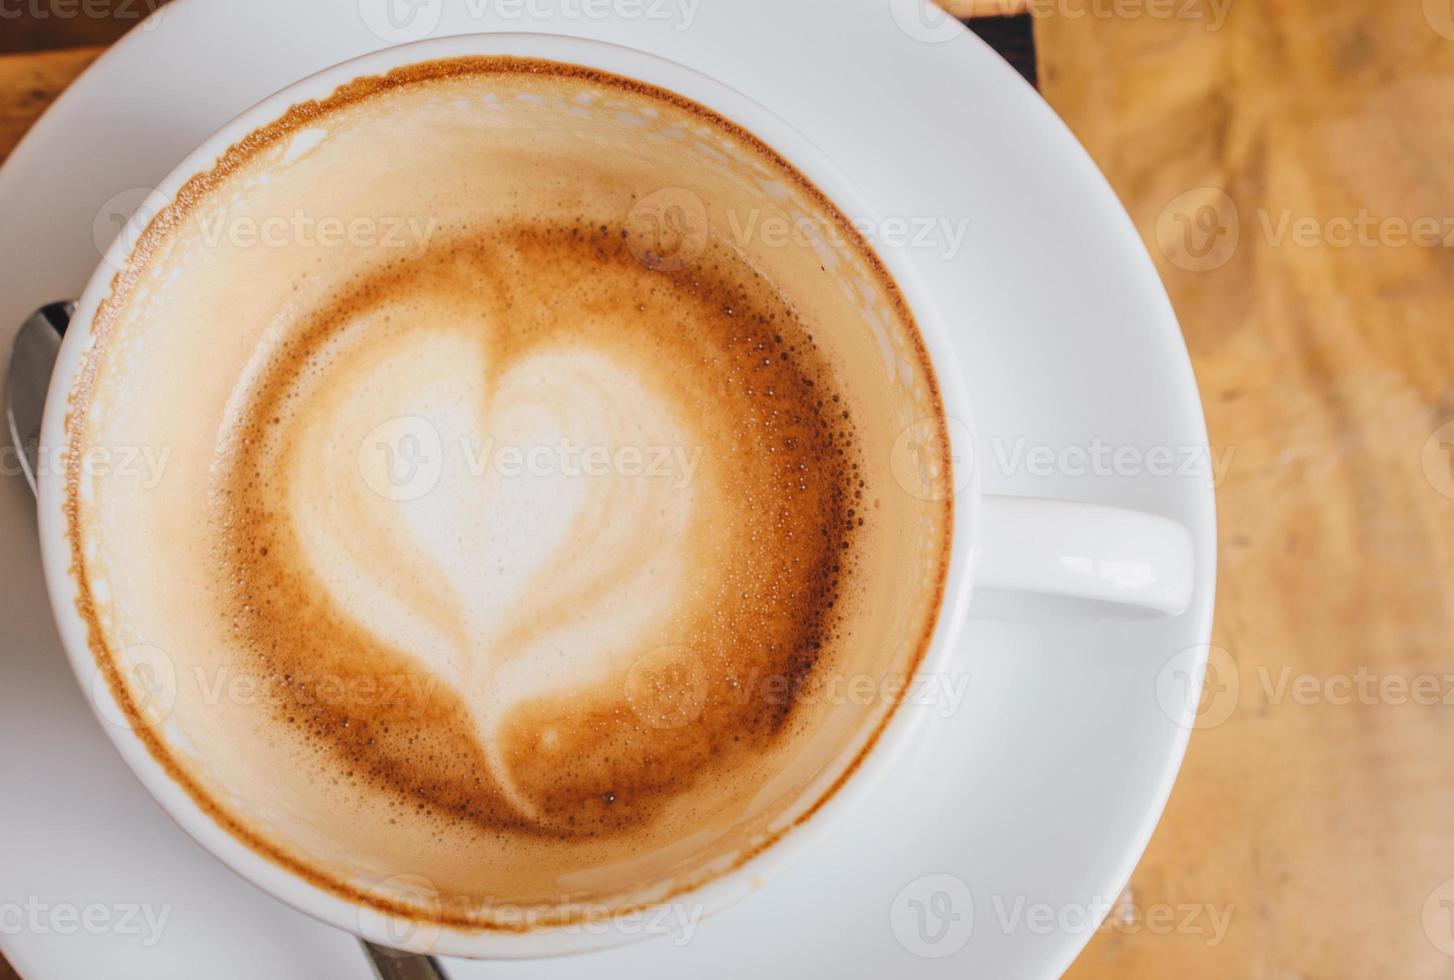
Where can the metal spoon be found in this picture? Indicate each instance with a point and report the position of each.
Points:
(32, 360)
(393, 964)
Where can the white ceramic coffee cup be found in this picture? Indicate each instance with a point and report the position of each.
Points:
(1124, 562)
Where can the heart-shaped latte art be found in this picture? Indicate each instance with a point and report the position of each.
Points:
(595, 516)
(527, 559)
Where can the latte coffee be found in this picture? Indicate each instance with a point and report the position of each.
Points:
(550, 510)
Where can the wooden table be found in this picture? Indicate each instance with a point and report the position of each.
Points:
(1289, 163)
(1275, 163)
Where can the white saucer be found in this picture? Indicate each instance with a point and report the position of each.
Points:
(1041, 790)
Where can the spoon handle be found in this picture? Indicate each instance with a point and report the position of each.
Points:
(390, 964)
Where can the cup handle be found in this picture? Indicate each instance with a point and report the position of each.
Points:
(1080, 551)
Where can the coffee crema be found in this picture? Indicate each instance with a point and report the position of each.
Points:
(526, 554)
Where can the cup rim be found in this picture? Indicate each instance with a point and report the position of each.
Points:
(729, 887)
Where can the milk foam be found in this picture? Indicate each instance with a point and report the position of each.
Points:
(356, 489)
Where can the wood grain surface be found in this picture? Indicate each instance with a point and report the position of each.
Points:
(1288, 162)
(1290, 170)
(29, 83)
